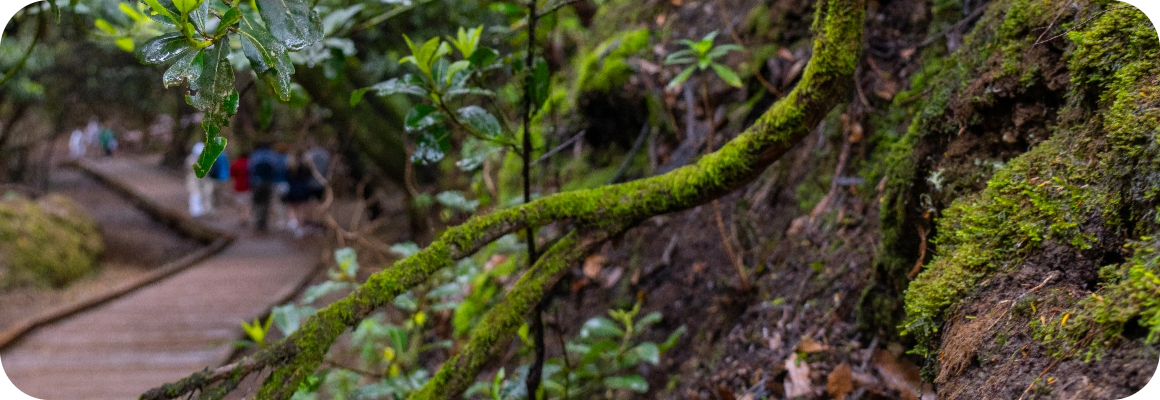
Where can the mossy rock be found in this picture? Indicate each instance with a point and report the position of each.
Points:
(49, 242)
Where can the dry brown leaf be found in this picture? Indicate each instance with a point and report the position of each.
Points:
(593, 264)
(898, 374)
(840, 382)
(797, 381)
(785, 54)
(907, 52)
(699, 267)
(809, 345)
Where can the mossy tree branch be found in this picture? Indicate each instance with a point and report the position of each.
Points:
(600, 212)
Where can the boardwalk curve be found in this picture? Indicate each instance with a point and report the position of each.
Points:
(163, 331)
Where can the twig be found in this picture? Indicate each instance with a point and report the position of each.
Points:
(1081, 25)
(1065, 356)
(921, 253)
(729, 248)
(557, 7)
(1052, 24)
(631, 154)
(557, 149)
(958, 25)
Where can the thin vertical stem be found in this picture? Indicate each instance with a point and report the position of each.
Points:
(537, 325)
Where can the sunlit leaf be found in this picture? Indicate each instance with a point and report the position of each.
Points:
(293, 22)
(231, 17)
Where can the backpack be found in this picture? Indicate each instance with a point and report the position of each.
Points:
(220, 169)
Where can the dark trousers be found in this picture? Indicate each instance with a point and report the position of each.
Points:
(262, 195)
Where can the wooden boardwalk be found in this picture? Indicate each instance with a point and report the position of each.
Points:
(166, 330)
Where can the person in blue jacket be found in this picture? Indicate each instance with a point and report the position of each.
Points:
(267, 170)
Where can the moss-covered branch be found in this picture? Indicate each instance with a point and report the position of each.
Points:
(602, 211)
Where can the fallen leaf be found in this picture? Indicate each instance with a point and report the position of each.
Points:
(809, 345)
(698, 267)
(784, 53)
(907, 52)
(593, 264)
(898, 374)
(840, 382)
(797, 381)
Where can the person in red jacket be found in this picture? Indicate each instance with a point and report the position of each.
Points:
(240, 172)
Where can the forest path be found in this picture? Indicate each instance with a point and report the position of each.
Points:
(171, 328)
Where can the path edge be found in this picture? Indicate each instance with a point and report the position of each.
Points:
(217, 241)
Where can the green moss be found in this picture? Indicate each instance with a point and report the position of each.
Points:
(48, 243)
(1098, 166)
(605, 67)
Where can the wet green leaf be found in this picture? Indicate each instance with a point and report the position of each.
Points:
(455, 199)
(187, 68)
(419, 117)
(164, 48)
(216, 97)
(293, 22)
(267, 56)
(231, 17)
(599, 327)
(482, 57)
(647, 351)
(431, 146)
(481, 121)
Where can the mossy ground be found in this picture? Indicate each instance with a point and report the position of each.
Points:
(1053, 221)
(49, 242)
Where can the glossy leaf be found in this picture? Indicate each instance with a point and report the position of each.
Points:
(164, 48)
(200, 16)
(727, 75)
(163, 11)
(722, 50)
(680, 57)
(599, 350)
(187, 68)
(454, 199)
(185, 6)
(483, 56)
(481, 121)
(390, 87)
(453, 93)
(431, 147)
(599, 327)
(631, 382)
(216, 98)
(473, 153)
(231, 17)
(293, 22)
(267, 55)
(646, 321)
(419, 117)
(647, 351)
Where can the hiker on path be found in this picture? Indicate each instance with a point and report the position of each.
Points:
(200, 190)
(299, 174)
(108, 141)
(267, 169)
(76, 144)
(240, 173)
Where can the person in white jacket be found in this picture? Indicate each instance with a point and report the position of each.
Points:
(200, 190)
